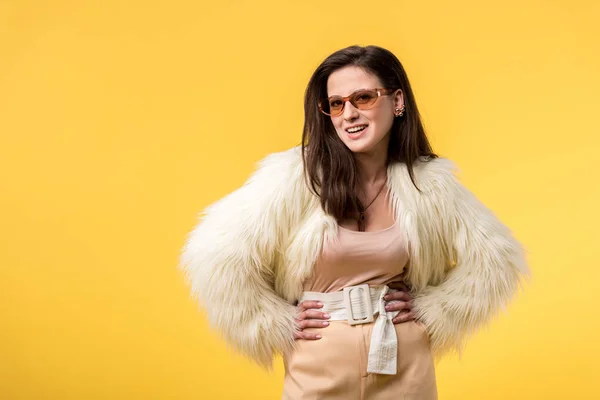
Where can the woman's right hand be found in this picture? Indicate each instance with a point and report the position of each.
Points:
(310, 317)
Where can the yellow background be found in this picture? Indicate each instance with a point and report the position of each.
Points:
(120, 121)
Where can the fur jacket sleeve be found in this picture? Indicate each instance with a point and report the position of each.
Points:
(230, 255)
(485, 266)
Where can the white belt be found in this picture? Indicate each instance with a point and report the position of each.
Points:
(358, 304)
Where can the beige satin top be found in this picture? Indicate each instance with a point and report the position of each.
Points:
(354, 258)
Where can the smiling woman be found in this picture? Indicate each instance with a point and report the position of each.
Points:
(358, 256)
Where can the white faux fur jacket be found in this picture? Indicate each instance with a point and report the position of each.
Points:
(247, 258)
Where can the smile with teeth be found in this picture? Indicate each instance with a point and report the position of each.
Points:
(356, 129)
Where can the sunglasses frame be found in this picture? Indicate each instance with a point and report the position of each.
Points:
(380, 92)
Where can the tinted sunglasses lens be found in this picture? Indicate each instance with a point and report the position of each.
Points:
(334, 105)
(365, 99)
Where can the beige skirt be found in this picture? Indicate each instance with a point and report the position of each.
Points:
(335, 366)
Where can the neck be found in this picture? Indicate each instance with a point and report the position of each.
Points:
(372, 168)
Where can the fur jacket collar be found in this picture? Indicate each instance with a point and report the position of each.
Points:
(248, 256)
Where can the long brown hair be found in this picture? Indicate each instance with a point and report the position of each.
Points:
(329, 164)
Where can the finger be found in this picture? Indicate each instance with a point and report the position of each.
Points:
(403, 317)
(404, 296)
(313, 314)
(312, 323)
(311, 336)
(307, 336)
(306, 304)
(398, 306)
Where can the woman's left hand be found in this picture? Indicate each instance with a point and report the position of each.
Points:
(400, 301)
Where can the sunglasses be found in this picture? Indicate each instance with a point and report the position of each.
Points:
(362, 99)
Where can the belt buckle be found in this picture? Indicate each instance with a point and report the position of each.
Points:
(364, 291)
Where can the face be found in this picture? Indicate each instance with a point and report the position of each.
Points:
(377, 120)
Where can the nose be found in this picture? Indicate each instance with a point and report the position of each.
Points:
(350, 112)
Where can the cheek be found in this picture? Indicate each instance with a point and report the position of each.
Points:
(338, 124)
(383, 122)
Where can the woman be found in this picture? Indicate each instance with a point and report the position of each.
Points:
(305, 259)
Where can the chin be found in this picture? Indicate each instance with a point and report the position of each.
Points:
(359, 147)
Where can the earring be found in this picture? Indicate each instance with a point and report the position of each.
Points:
(398, 112)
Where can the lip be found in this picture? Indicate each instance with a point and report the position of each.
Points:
(355, 136)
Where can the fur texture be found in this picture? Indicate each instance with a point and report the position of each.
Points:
(247, 258)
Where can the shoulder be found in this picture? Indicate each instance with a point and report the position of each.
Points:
(290, 157)
(277, 178)
(430, 170)
(282, 164)
(270, 191)
(430, 174)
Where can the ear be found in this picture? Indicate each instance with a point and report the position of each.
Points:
(398, 98)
